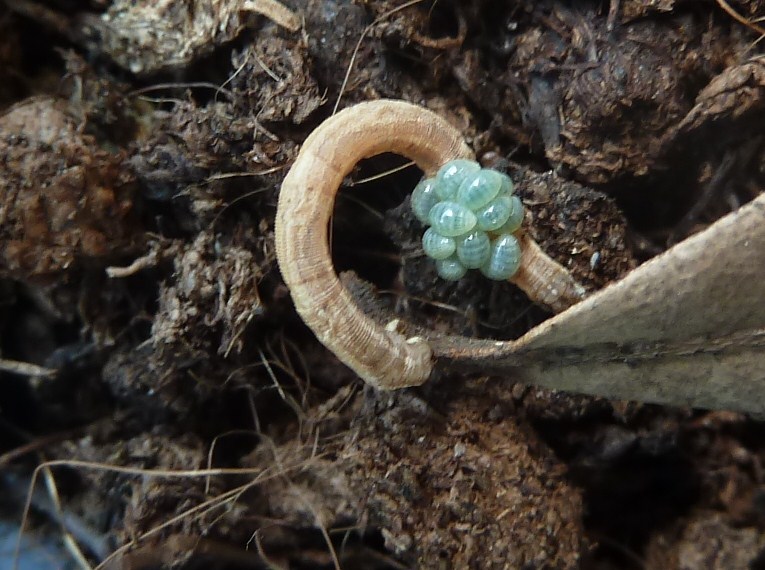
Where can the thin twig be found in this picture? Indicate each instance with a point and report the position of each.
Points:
(358, 46)
(25, 368)
(69, 542)
(180, 85)
(381, 175)
(262, 474)
(322, 528)
(274, 11)
(35, 445)
(739, 18)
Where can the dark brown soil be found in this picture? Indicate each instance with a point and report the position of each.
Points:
(139, 174)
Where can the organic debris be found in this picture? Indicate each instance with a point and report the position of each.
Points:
(143, 147)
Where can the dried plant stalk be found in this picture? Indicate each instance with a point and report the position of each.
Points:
(381, 356)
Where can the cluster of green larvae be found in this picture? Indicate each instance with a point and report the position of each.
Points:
(472, 214)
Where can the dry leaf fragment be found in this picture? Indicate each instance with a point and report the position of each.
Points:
(735, 98)
(685, 328)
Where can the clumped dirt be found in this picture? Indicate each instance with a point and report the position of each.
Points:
(139, 172)
(65, 200)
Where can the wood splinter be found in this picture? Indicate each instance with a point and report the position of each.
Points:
(381, 356)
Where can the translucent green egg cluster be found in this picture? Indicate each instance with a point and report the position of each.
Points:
(472, 214)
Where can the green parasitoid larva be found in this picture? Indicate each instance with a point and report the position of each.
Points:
(507, 185)
(479, 188)
(450, 269)
(473, 249)
(451, 175)
(424, 197)
(451, 219)
(505, 258)
(436, 245)
(515, 218)
(495, 214)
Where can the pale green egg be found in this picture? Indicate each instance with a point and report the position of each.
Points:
(451, 219)
(436, 245)
(479, 188)
(450, 269)
(515, 218)
(473, 250)
(424, 197)
(505, 258)
(495, 214)
(507, 185)
(451, 175)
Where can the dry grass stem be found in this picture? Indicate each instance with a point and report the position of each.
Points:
(261, 475)
(25, 368)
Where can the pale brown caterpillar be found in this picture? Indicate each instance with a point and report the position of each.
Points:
(544, 280)
(382, 356)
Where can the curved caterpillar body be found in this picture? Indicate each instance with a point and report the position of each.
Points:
(380, 355)
(552, 285)
(383, 358)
